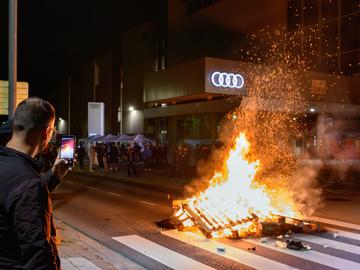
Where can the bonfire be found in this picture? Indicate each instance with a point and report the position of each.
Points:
(234, 205)
(258, 188)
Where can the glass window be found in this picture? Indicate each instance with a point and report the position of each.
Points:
(311, 12)
(311, 46)
(195, 127)
(350, 32)
(349, 6)
(196, 5)
(329, 40)
(349, 62)
(294, 15)
(329, 9)
(329, 64)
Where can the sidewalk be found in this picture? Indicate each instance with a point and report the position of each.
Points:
(77, 251)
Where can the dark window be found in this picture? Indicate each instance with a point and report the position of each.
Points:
(294, 15)
(329, 9)
(350, 32)
(311, 46)
(349, 62)
(329, 40)
(349, 6)
(196, 5)
(329, 64)
(311, 12)
(195, 127)
(295, 43)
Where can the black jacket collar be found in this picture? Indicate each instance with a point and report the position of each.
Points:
(12, 153)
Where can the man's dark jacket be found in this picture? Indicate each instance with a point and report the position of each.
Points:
(27, 232)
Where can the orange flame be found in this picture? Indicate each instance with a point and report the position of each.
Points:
(233, 199)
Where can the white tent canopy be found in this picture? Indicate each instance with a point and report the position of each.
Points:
(110, 138)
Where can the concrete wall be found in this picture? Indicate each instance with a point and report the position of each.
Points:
(176, 81)
(219, 29)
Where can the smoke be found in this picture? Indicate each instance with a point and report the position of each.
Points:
(305, 191)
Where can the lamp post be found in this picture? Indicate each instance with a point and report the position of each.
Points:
(13, 25)
(69, 103)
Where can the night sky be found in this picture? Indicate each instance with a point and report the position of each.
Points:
(56, 37)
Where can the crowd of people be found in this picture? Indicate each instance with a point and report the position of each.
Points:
(136, 158)
(181, 160)
(186, 157)
(109, 157)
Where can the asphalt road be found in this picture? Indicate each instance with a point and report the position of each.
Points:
(120, 213)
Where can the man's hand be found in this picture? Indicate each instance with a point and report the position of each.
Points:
(60, 168)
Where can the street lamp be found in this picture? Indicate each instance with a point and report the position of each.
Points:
(131, 108)
(13, 16)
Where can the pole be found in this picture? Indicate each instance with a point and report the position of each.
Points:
(13, 27)
(69, 103)
(121, 100)
(121, 110)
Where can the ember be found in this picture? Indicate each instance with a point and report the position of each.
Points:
(255, 186)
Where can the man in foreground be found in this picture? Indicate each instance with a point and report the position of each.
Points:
(27, 232)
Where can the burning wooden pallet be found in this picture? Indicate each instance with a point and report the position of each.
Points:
(189, 216)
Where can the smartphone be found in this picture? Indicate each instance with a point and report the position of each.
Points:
(67, 149)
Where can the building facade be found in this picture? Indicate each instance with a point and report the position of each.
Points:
(189, 31)
(97, 81)
(333, 26)
(159, 81)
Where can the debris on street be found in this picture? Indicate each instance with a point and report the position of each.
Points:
(296, 245)
(280, 244)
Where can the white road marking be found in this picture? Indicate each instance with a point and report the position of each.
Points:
(337, 223)
(342, 233)
(82, 263)
(161, 254)
(114, 194)
(232, 253)
(90, 187)
(311, 255)
(329, 243)
(148, 203)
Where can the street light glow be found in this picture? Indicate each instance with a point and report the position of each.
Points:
(131, 108)
(312, 110)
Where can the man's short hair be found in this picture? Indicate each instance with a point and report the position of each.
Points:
(33, 114)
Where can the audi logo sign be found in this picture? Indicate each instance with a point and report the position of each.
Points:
(227, 80)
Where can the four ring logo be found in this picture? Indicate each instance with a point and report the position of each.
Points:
(227, 80)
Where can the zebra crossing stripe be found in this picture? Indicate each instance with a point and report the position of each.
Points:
(161, 254)
(232, 253)
(78, 263)
(343, 233)
(311, 255)
(329, 243)
(336, 223)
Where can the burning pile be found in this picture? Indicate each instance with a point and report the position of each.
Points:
(262, 190)
(234, 205)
